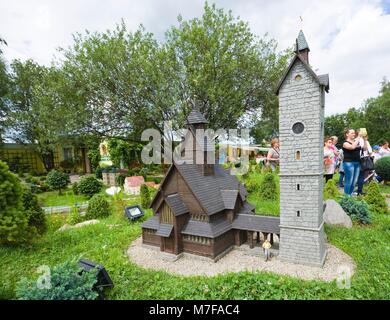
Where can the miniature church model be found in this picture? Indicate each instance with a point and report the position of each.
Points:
(200, 208)
(301, 125)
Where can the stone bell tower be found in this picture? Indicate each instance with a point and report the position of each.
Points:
(301, 133)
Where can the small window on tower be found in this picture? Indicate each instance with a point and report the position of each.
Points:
(298, 77)
(298, 213)
(298, 187)
(298, 155)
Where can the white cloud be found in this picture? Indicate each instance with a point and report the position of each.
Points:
(348, 39)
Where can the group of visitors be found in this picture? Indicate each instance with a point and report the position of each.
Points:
(354, 160)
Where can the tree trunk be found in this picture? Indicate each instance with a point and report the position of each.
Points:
(48, 160)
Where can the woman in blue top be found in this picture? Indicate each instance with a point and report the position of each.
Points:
(351, 164)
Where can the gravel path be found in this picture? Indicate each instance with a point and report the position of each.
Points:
(239, 259)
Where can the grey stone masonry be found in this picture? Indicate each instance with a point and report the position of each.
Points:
(301, 100)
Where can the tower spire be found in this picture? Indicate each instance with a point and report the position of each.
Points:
(302, 48)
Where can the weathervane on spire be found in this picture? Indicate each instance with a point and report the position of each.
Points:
(300, 18)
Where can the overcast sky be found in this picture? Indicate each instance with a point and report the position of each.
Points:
(349, 39)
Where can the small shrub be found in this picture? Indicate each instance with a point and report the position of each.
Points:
(75, 188)
(375, 199)
(382, 168)
(34, 212)
(98, 207)
(89, 186)
(13, 221)
(66, 282)
(75, 216)
(330, 190)
(253, 182)
(268, 187)
(57, 180)
(145, 196)
(358, 210)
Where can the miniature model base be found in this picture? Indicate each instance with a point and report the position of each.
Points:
(237, 260)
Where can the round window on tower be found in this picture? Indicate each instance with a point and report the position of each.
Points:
(298, 77)
(298, 127)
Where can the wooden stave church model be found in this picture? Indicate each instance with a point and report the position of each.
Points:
(202, 209)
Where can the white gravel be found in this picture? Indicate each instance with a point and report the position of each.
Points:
(239, 259)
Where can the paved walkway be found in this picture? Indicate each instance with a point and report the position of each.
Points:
(239, 259)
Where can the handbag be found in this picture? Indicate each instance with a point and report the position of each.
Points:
(366, 163)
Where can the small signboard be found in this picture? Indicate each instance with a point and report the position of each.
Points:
(133, 212)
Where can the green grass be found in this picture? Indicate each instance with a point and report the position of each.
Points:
(264, 207)
(367, 245)
(52, 198)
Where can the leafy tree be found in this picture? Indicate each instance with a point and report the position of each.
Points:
(123, 153)
(66, 282)
(57, 180)
(227, 68)
(377, 115)
(108, 72)
(13, 221)
(374, 115)
(33, 114)
(335, 125)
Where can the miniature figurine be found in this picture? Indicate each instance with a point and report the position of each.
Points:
(266, 249)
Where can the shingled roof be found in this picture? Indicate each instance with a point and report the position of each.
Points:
(324, 80)
(176, 204)
(207, 229)
(152, 223)
(229, 198)
(301, 42)
(196, 117)
(252, 222)
(207, 189)
(164, 230)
